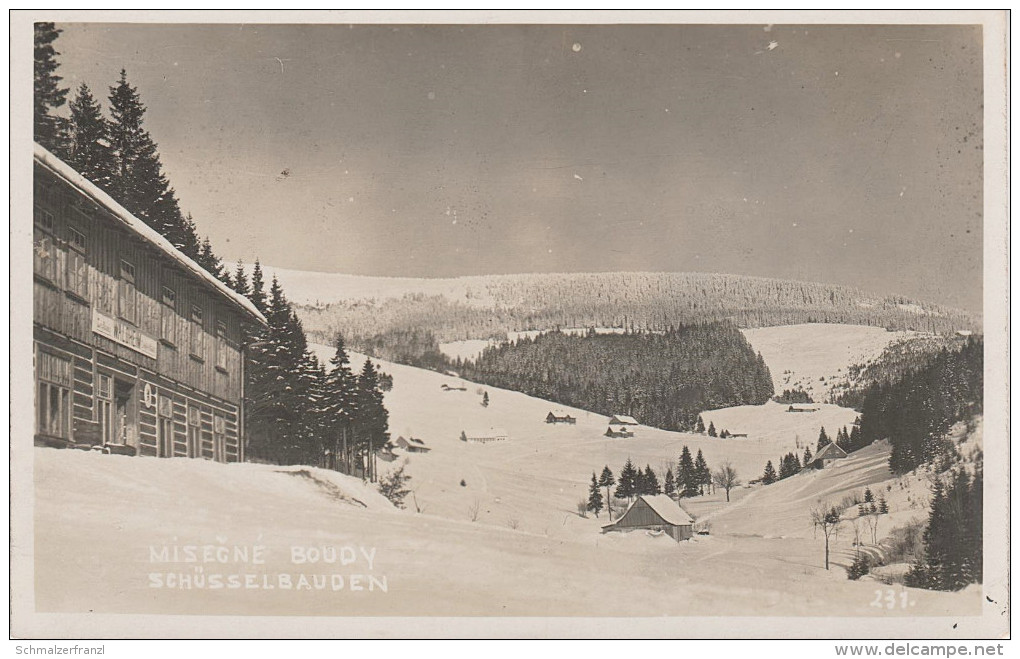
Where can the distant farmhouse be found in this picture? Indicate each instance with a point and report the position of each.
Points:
(412, 445)
(620, 431)
(655, 512)
(801, 408)
(446, 387)
(485, 436)
(826, 455)
(559, 416)
(622, 420)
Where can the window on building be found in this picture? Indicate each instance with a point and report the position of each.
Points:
(197, 332)
(219, 438)
(44, 246)
(168, 321)
(104, 406)
(77, 268)
(53, 402)
(127, 294)
(222, 349)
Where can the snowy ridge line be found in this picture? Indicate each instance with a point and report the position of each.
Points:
(89, 189)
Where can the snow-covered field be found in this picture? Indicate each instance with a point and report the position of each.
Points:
(815, 357)
(508, 541)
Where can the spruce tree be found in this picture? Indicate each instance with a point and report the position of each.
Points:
(702, 474)
(711, 429)
(48, 128)
(883, 507)
(240, 281)
(607, 480)
(823, 439)
(138, 182)
(808, 456)
(651, 482)
(594, 496)
(700, 427)
(868, 495)
(687, 475)
(258, 288)
(628, 477)
(769, 477)
(88, 149)
(372, 418)
(668, 484)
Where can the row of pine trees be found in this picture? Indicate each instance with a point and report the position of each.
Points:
(298, 411)
(692, 478)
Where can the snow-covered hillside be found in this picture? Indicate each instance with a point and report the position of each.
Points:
(815, 357)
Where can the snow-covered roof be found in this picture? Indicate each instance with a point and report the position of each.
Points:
(829, 451)
(669, 510)
(64, 171)
(623, 418)
(560, 414)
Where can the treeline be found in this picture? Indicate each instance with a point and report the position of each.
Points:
(692, 478)
(664, 380)
(411, 346)
(297, 411)
(916, 411)
(499, 304)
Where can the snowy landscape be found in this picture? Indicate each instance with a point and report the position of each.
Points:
(536, 321)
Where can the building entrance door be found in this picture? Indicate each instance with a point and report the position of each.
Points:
(125, 430)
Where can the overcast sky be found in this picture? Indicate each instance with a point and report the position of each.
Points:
(849, 155)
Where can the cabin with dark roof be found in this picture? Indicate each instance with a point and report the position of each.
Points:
(137, 349)
(558, 416)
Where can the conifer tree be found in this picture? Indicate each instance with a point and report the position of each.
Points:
(138, 182)
(372, 418)
(651, 482)
(868, 495)
(48, 128)
(823, 439)
(883, 507)
(700, 427)
(607, 480)
(240, 281)
(687, 475)
(711, 429)
(702, 473)
(628, 480)
(769, 477)
(808, 456)
(258, 288)
(88, 147)
(594, 496)
(668, 484)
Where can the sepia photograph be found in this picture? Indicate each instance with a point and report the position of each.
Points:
(509, 324)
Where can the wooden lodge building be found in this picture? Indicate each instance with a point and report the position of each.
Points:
(559, 416)
(655, 513)
(827, 455)
(137, 349)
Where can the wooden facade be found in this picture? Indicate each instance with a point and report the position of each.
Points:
(655, 512)
(136, 350)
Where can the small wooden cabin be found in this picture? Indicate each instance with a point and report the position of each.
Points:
(655, 512)
(558, 416)
(412, 445)
(620, 432)
(622, 420)
(826, 455)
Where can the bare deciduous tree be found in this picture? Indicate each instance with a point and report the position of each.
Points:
(476, 506)
(726, 478)
(828, 520)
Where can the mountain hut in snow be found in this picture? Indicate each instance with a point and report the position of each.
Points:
(655, 512)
